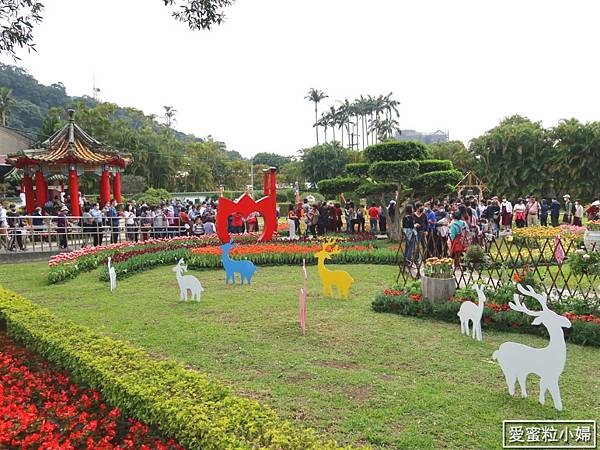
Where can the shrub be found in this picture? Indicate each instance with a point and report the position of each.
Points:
(585, 263)
(435, 165)
(357, 169)
(368, 189)
(335, 186)
(585, 329)
(476, 258)
(198, 410)
(153, 196)
(395, 151)
(436, 183)
(394, 171)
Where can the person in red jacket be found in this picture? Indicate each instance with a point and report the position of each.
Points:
(373, 217)
(237, 223)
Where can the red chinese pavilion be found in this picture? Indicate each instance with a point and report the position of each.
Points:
(74, 152)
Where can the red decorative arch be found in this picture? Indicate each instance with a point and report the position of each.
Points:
(266, 206)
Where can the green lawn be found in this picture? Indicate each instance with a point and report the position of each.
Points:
(358, 376)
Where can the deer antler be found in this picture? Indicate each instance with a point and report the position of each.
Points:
(541, 298)
(516, 305)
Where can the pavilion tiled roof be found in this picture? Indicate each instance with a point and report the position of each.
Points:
(70, 144)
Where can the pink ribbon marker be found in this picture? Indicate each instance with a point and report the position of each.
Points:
(302, 300)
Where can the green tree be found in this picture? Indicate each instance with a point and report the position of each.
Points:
(575, 158)
(315, 96)
(271, 159)
(291, 173)
(50, 125)
(455, 151)
(513, 157)
(6, 102)
(17, 20)
(169, 115)
(323, 161)
(396, 169)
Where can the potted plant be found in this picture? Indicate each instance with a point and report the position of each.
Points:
(438, 283)
(591, 238)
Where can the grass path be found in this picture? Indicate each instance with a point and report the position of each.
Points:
(359, 376)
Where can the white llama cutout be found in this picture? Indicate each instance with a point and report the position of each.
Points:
(187, 282)
(518, 361)
(112, 275)
(470, 311)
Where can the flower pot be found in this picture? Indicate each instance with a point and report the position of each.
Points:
(591, 239)
(438, 290)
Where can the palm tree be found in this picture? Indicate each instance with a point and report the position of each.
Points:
(386, 128)
(333, 120)
(324, 122)
(169, 115)
(6, 101)
(315, 95)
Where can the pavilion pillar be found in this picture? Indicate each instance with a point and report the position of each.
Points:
(29, 194)
(41, 189)
(117, 187)
(104, 188)
(74, 191)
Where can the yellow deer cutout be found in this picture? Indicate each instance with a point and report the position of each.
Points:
(341, 279)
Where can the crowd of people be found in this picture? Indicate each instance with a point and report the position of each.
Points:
(321, 218)
(432, 228)
(113, 222)
(447, 228)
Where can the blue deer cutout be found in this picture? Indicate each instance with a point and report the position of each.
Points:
(244, 267)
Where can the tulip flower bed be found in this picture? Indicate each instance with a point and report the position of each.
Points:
(68, 265)
(266, 254)
(585, 328)
(565, 231)
(40, 407)
(198, 411)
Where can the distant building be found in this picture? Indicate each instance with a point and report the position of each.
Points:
(425, 138)
(11, 141)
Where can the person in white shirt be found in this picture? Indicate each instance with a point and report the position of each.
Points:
(578, 216)
(3, 228)
(506, 212)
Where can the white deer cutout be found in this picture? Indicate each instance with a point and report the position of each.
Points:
(518, 361)
(470, 311)
(187, 282)
(112, 275)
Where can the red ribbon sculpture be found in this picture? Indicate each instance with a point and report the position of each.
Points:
(266, 206)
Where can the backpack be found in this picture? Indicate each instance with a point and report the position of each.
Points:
(465, 239)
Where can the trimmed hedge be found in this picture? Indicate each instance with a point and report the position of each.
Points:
(394, 171)
(199, 411)
(581, 331)
(395, 151)
(357, 169)
(436, 183)
(435, 165)
(335, 186)
(368, 189)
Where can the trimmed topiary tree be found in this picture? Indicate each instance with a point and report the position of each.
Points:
(397, 168)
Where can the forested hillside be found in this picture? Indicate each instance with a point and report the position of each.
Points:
(164, 157)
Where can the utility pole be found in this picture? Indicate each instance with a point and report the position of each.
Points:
(252, 174)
